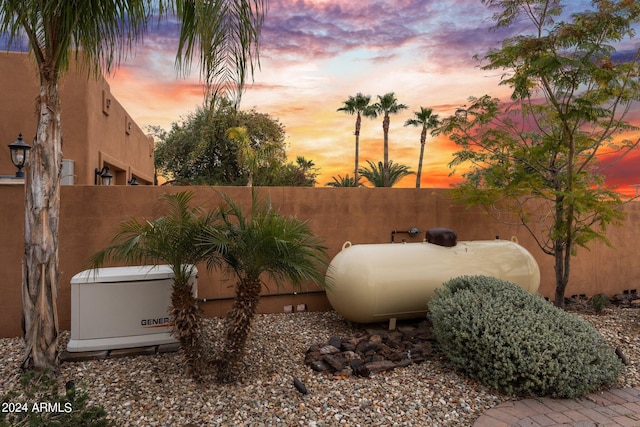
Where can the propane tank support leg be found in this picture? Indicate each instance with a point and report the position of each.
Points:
(392, 323)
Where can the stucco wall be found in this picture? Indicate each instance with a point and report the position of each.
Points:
(92, 133)
(90, 216)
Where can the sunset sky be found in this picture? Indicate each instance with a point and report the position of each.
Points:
(315, 53)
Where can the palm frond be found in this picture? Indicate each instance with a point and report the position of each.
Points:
(106, 31)
(343, 181)
(374, 173)
(264, 243)
(170, 239)
(226, 35)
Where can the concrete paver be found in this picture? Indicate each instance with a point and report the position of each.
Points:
(615, 408)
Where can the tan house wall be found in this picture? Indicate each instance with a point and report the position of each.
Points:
(90, 215)
(93, 134)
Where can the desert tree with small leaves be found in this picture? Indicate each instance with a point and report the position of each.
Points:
(539, 159)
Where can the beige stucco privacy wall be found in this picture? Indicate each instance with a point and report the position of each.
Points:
(96, 129)
(90, 216)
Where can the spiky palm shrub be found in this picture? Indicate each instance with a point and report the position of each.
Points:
(375, 174)
(343, 181)
(250, 246)
(172, 240)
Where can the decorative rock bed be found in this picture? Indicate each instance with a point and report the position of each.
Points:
(153, 390)
(377, 350)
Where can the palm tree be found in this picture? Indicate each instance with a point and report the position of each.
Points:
(343, 181)
(428, 121)
(223, 33)
(250, 157)
(375, 174)
(169, 240)
(306, 171)
(358, 105)
(304, 164)
(387, 104)
(250, 247)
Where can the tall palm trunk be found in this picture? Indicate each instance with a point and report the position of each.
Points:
(418, 177)
(385, 166)
(40, 265)
(357, 132)
(238, 325)
(187, 320)
(423, 140)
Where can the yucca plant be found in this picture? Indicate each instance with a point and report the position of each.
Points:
(172, 240)
(250, 247)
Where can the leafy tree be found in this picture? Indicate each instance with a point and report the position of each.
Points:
(428, 121)
(224, 33)
(250, 246)
(375, 173)
(198, 150)
(290, 174)
(541, 157)
(358, 105)
(204, 149)
(169, 240)
(301, 174)
(387, 104)
(342, 181)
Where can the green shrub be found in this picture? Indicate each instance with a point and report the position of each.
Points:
(39, 403)
(518, 343)
(599, 302)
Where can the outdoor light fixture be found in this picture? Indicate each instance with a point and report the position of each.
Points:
(104, 175)
(133, 181)
(19, 151)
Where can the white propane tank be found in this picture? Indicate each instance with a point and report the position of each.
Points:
(378, 282)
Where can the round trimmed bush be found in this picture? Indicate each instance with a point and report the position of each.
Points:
(519, 343)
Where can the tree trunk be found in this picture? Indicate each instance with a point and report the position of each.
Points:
(564, 222)
(561, 277)
(238, 326)
(563, 246)
(423, 140)
(385, 166)
(40, 265)
(563, 261)
(187, 320)
(357, 133)
(418, 177)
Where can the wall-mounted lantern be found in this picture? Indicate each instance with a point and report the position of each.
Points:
(19, 150)
(133, 181)
(105, 176)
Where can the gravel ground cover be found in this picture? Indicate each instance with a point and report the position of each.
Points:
(154, 391)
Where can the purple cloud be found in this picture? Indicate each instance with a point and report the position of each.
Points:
(308, 29)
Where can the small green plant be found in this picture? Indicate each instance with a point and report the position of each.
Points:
(518, 343)
(599, 302)
(39, 403)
